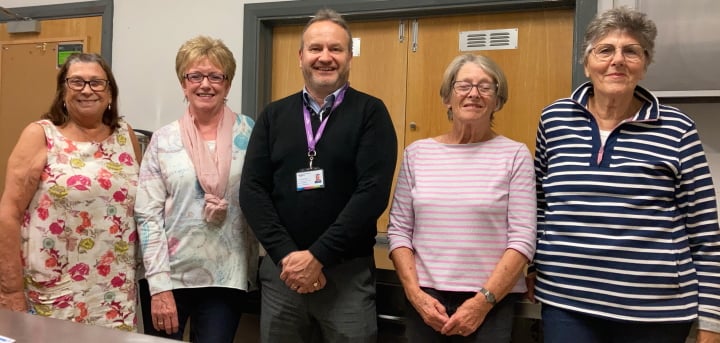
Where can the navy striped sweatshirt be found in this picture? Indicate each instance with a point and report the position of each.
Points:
(627, 230)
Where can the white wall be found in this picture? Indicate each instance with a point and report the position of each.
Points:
(608, 4)
(707, 119)
(146, 36)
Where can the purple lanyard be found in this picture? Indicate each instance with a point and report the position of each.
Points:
(312, 140)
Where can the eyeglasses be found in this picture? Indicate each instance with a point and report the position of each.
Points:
(464, 88)
(78, 84)
(631, 52)
(198, 77)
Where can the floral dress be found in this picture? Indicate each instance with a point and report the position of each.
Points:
(79, 236)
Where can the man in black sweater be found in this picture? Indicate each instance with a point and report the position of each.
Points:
(317, 176)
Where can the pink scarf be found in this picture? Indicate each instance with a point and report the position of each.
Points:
(212, 169)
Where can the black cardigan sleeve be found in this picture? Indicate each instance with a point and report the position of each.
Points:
(256, 187)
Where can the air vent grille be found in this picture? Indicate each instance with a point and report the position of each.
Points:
(489, 40)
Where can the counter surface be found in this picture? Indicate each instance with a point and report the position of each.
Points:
(28, 328)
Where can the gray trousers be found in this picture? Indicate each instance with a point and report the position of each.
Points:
(343, 311)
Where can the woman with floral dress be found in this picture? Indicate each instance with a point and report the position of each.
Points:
(67, 234)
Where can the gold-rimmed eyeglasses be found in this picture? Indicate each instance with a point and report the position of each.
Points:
(78, 84)
(484, 88)
(631, 52)
(198, 77)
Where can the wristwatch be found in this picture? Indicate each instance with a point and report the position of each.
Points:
(489, 297)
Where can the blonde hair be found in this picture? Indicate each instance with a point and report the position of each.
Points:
(203, 46)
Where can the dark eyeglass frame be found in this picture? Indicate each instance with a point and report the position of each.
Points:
(484, 88)
(97, 85)
(631, 52)
(212, 78)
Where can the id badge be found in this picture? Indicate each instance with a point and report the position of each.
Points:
(310, 179)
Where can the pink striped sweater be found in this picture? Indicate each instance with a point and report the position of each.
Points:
(460, 206)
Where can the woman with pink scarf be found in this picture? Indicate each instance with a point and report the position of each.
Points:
(199, 254)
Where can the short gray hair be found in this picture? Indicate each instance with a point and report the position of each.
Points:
(626, 19)
(487, 65)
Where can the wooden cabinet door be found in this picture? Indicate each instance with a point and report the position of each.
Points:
(27, 87)
(28, 72)
(538, 71)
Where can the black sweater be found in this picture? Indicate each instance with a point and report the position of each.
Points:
(357, 152)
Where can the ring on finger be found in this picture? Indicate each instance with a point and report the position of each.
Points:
(316, 284)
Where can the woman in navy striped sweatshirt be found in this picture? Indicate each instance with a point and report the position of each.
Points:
(628, 242)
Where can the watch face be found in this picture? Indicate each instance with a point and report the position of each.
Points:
(489, 297)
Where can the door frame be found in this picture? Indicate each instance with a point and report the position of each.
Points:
(101, 8)
(260, 18)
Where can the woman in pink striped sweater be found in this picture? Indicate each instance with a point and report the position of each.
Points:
(462, 224)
